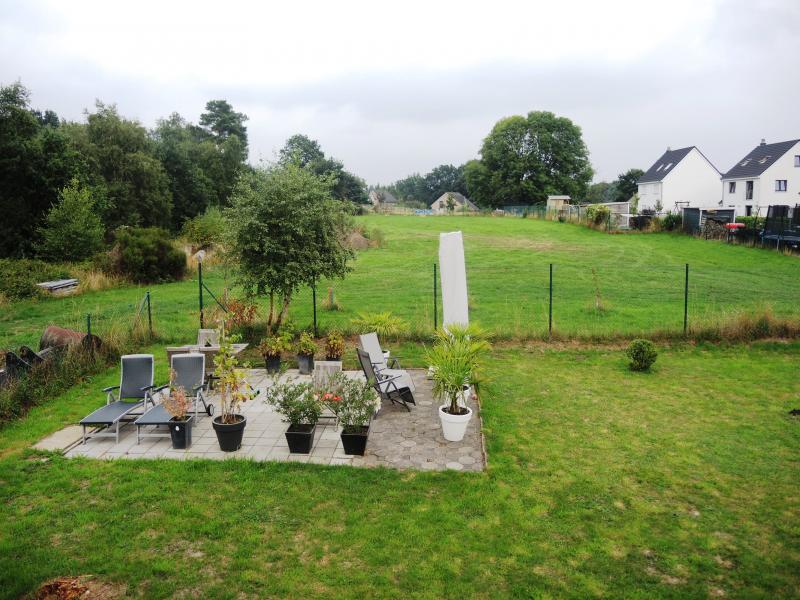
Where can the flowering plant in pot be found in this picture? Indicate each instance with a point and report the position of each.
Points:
(178, 405)
(301, 406)
(305, 353)
(354, 402)
(271, 349)
(455, 361)
(334, 345)
(233, 391)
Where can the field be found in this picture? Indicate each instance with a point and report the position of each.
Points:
(604, 285)
(601, 483)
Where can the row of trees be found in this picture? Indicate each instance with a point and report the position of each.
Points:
(121, 173)
(620, 190)
(424, 189)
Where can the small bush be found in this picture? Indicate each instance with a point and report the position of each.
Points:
(206, 230)
(642, 354)
(305, 345)
(18, 278)
(385, 324)
(147, 256)
(598, 214)
(671, 221)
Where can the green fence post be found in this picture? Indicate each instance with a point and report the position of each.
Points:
(686, 301)
(200, 288)
(550, 308)
(435, 303)
(149, 314)
(314, 301)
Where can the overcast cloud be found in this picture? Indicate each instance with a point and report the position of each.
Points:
(395, 90)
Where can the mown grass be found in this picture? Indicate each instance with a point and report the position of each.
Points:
(604, 285)
(601, 483)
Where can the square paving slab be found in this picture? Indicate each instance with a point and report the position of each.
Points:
(397, 439)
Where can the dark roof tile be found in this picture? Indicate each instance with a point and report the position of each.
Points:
(759, 160)
(664, 165)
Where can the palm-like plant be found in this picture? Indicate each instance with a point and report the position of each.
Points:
(455, 361)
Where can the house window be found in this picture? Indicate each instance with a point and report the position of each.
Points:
(732, 187)
(780, 185)
(797, 160)
(748, 210)
(748, 190)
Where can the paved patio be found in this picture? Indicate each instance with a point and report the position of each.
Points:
(397, 439)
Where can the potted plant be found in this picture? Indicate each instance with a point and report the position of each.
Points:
(301, 406)
(233, 391)
(334, 346)
(178, 405)
(455, 362)
(271, 349)
(305, 353)
(354, 403)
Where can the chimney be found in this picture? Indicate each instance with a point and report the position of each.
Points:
(669, 149)
(763, 142)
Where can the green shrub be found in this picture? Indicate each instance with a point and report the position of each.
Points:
(18, 278)
(752, 222)
(671, 221)
(147, 256)
(642, 354)
(203, 231)
(72, 230)
(385, 324)
(598, 214)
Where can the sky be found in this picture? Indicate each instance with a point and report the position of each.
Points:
(392, 89)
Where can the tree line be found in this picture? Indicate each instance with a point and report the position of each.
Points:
(521, 161)
(112, 171)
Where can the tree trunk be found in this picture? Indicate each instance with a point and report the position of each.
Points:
(271, 309)
(287, 299)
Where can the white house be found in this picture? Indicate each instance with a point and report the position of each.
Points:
(380, 198)
(769, 175)
(453, 202)
(678, 179)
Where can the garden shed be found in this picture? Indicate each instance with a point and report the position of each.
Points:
(695, 218)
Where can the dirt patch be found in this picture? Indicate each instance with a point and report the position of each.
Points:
(357, 241)
(85, 586)
(521, 243)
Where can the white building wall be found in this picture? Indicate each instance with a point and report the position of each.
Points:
(693, 181)
(649, 195)
(783, 168)
(764, 193)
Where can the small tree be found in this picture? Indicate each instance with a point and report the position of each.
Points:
(72, 229)
(286, 231)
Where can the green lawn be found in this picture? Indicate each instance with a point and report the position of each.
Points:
(601, 483)
(638, 281)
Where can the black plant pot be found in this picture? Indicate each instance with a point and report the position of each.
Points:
(305, 363)
(181, 433)
(273, 363)
(355, 442)
(229, 435)
(300, 438)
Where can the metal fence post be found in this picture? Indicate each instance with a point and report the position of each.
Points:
(550, 311)
(314, 301)
(200, 288)
(435, 303)
(149, 314)
(686, 301)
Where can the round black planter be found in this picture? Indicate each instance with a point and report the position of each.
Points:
(355, 442)
(305, 363)
(229, 435)
(273, 363)
(300, 438)
(181, 433)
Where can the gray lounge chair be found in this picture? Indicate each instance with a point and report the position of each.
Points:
(388, 387)
(389, 367)
(189, 373)
(135, 389)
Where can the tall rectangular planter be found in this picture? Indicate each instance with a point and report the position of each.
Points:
(355, 442)
(300, 438)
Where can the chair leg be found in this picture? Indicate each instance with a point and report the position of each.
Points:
(84, 435)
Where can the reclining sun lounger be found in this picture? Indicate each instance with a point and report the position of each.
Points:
(390, 367)
(388, 387)
(136, 385)
(189, 373)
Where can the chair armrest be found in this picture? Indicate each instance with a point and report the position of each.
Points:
(160, 388)
(111, 389)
